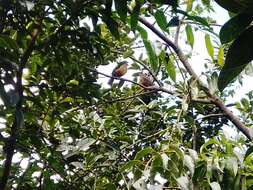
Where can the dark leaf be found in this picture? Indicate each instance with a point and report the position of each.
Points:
(248, 152)
(173, 22)
(151, 54)
(135, 15)
(121, 8)
(238, 57)
(161, 19)
(234, 27)
(144, 152)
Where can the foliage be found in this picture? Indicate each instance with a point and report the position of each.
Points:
(62, 129)
(238, 31)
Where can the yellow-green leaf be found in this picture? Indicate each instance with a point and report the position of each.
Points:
(209, 45)
(189, 34)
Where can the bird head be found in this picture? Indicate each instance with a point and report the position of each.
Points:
(123, 63)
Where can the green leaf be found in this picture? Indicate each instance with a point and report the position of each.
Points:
(248, 152)
(135, 15)
(7, 42)
(144, 152)
(199, 172)
(234, 27)
(237, 6)
(238, 57)
(197, 19)
(129, 165)
(189, 34)
(232, 165)
(189, 5)
(161, 19)
(220, 57)
(112, 26)
(121, 8)
(206, 2)
(151, 54)
(19, 118)
(157, 165)
(170, 68)
(143, 32)
(209, 46)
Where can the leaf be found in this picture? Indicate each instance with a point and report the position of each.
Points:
(234, 27)
(189, 34)
(212, 83)
(238, 57)
(112, 26)
(248, 152)
(143, 32)
(135, 15)
(121, 8)
(157, 165)
(7, 42)
(173, 22)
(189, 5)
(19, 118)
(129, 165)
(84, 144)
(161, 19)
(170, 68)
(143, 153)
(220, 57)
(199, 172)
(151, 54)
(232, 165)
(237, 6)
(197, 19)
(189, 162)
(183, 182)
(209, 46)
(215, 186)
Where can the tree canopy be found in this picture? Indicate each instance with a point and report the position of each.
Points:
(63, 129)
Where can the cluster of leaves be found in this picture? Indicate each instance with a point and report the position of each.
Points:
(238, 31)
(73, 133)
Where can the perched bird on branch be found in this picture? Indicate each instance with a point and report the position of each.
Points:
(119, 71)
(146, 78)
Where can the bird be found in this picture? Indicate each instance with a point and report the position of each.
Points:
(146, 78)
(118, 71)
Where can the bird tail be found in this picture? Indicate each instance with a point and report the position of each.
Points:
(110, 81)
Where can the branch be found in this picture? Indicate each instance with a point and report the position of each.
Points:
(11, 142)
(215, 99)
(151, 89)
(116, 78)
(131, 97)
(211, 115)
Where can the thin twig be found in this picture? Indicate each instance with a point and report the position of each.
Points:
(131, 97)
